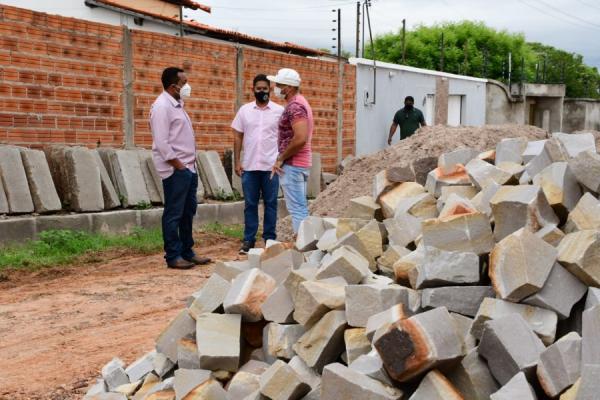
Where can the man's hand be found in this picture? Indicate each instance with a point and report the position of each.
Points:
(177, 164)
(389, 140)
(276, 169)
(238, 169)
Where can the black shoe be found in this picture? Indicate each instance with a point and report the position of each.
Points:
(246, 246)
(197, 260)
(180, 263)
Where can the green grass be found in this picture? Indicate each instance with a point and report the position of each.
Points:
(60, 247)
(233, 231)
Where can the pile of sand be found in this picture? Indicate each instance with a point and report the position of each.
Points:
(430, 141)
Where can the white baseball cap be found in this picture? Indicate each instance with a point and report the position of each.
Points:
(286, 76)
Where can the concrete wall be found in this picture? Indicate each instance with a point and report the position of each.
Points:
(394, 83)
(581, 114)
(500, 109)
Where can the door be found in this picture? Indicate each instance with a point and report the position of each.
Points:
(455, 110)
(429, 109)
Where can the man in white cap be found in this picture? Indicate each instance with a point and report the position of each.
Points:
(294, 142)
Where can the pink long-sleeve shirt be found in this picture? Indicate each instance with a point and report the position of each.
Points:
(172, 134)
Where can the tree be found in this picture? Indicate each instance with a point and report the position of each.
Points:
(472, 48)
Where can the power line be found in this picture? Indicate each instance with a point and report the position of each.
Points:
(589, 5)
(543, 11)
(575, 17)
(339, 4)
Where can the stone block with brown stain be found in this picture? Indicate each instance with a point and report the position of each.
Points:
(404, 266)
(281, 382)
(472, 377)
(515, 207)
(579, 252)
(418, 344)
(457, 205)
(340, 382)
(247, 294)
(438, 178)
(447, 162)
(520, 264)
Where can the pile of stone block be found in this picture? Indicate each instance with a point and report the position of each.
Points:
(75, 178)
(480, 284)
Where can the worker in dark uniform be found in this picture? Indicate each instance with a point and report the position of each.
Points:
(408, 118)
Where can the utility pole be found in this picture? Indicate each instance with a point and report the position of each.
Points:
(522, 70)
(357, 27)
(510, 72)
(545, 59)
(180, 21)
(485, 62)
(537, 72)
(404, 41)
(362, 53)
(442, 55)
(562, 72)
(339, 31)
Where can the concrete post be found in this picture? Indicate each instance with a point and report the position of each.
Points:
(442, 87)
(239, 77)
(128, 97)
(340, 112)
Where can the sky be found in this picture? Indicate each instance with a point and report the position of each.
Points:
(572, 25)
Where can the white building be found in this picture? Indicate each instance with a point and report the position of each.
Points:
(380, 95)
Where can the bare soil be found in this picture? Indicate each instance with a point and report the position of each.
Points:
(58, 327)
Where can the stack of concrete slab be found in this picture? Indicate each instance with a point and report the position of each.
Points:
(213, 176)
(470, 287)
(77, 176)
(125, 170)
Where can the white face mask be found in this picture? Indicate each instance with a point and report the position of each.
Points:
(185, 91)
(278, 93)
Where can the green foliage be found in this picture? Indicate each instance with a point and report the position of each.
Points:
(233, 231)
(222, 196)
(143, 205)
(472, 48)
(59, 247)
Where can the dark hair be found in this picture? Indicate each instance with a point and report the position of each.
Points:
(409, 98)
(170, 76)
(260, 78)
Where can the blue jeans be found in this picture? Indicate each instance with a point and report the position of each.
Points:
(255, 183)
(180, 207)
(293, 182)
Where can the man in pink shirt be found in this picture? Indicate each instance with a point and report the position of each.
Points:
(296, 127)
(174, 155)
(255, 128)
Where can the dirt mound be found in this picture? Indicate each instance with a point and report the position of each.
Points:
(430, 141)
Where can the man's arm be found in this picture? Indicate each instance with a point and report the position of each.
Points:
(298, 141)
(422, 121)
(238, 138)
(160, 125)
(392, 131)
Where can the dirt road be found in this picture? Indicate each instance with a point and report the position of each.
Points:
(60, 326)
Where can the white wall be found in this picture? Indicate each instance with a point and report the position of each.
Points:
(78, 9)
(394, 83)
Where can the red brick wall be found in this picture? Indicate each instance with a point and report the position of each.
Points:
(61, 81)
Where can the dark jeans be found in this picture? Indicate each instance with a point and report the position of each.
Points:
(255, 183)
(178, 215)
